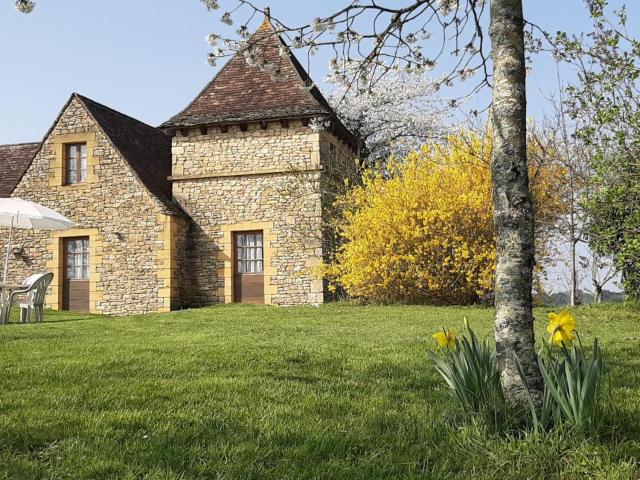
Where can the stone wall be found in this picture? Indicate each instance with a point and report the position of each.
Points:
(339, 166)
(340, 160)
(125, 222)
(258, 179)
(220, 150)
(248, 202)
(170, 260)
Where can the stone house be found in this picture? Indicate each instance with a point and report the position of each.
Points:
(225, 202)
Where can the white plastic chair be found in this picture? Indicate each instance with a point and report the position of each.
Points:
(30, 300)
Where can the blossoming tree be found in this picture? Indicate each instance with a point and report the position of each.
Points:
(399, 114)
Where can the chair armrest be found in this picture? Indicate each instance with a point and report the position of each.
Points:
(15, 293)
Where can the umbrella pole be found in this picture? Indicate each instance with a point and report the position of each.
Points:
(6, 258)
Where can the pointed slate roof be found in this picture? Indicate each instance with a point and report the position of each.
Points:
(146, 148)
(241, 93)
(14, 160)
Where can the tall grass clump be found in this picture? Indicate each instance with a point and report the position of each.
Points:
(572, 379)
(470, 371)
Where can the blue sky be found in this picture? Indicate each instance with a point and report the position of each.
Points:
(147, 58)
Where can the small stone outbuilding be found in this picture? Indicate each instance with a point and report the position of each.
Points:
(225, 202)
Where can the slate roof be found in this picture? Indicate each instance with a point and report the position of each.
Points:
(146, 148)
(242, 93)
(14, 160)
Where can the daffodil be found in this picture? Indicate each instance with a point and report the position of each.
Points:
(562, 327)
(446, 338)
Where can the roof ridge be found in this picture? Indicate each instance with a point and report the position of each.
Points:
(102, 105)
(266, 25)
(304, 75)
(266, 22)
(19, 144)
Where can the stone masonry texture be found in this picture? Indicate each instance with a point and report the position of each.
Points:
(116, 204)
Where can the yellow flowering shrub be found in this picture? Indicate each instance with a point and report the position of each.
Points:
(421, 231)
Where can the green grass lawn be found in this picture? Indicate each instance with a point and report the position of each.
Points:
(264, 392)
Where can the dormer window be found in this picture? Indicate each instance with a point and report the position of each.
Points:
(76, 163)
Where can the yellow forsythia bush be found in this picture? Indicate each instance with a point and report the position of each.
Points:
(422, 231)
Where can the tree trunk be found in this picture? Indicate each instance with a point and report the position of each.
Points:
(572, 232)
(574, 271)
(598, 292)
(512, 205)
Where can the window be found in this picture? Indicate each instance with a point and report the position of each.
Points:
(249, 253)
(77, 259)
(76, 163)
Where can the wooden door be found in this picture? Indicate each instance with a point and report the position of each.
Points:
(248, 278)
(75, 296)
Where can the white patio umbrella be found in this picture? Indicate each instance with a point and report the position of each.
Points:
(18, 213)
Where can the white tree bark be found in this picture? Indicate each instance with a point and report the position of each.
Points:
(512, 206)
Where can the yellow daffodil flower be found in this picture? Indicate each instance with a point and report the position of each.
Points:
(446, 338)
(562, 327)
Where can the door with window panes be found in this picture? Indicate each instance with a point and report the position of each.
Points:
(75, 296)
(248, 267)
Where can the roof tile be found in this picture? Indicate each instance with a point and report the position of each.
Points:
(146, 148)
(14, 160)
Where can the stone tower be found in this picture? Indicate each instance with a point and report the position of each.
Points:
(251, 168)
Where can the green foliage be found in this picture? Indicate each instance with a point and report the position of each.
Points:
(572, 383)
(470, 371)
(605, 107)
(614, 211)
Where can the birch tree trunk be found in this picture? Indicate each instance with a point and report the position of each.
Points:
(512, 205)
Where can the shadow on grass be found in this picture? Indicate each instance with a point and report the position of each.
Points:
(67, 318)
